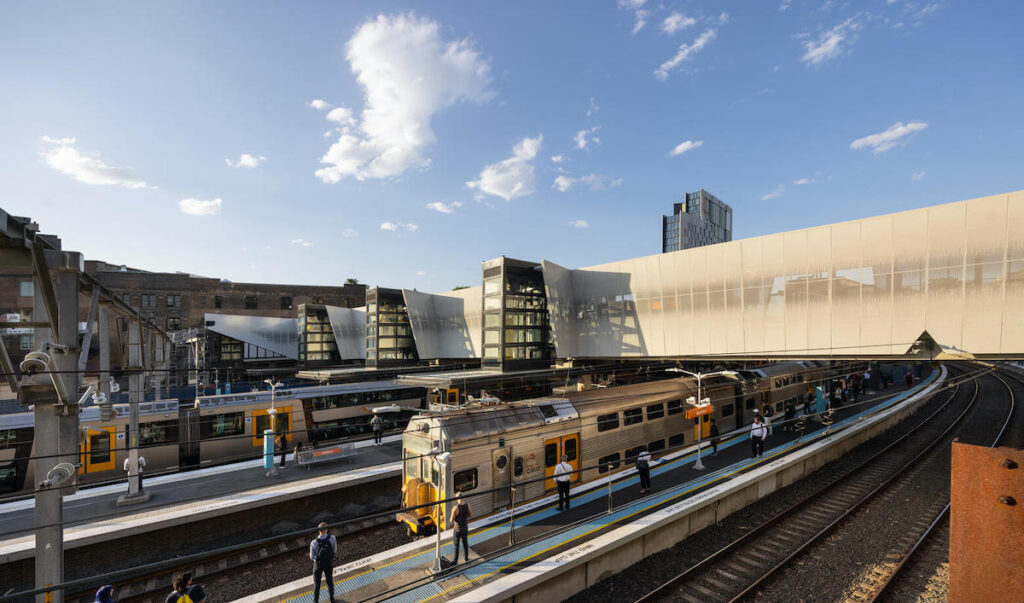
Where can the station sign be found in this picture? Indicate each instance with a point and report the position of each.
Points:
(700, 411)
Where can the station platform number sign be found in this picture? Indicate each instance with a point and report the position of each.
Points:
(700, 411)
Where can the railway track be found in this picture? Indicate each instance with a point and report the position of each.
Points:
(740, 568)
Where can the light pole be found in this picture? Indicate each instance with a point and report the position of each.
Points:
(700, 402)
(270, 434)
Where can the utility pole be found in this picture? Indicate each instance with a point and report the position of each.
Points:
(136, 383)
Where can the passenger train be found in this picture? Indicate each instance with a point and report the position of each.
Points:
(211, 429)
(493, 446)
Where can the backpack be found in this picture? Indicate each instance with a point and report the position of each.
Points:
(641, 463)
(324, 553)
(183, 598)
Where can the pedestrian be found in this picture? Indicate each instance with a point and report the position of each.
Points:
(105, 594)
(282, 444)
(195, 591)
(128, 467)
(790, 415)
(758, 433)
(643, 467)
(378, 429)
(715, 439)
(563, 475)
(322, 550)
(459, 521)
(179, 594)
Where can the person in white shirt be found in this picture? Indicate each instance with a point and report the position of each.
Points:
(758, 433)
(563, 475)
(142, 465)
(643, 467)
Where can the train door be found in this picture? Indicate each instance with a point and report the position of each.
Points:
(188, 437)
(502, 476)
(554, 448)
(702, 427)
(98, 450)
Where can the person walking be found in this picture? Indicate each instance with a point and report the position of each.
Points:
(459, 521)
(758, 433)
(195, 591)
(643, 467)
(790, 415)
(105, 594)
(378, 429)
(322, 550)
(180, 592)
(563, 475)
(142, 466)
(282, 444)
(715, 437)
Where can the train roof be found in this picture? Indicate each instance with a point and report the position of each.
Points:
(475, 421)
(782, 368)
(597, 401)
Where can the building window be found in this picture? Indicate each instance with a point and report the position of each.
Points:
(173, 301)
(218, 301)
(26, 342)
(250, 302)
(173, 324)
(286, 303)
(26, 289)
(202, 300)
(148, 300)
(318, 300)
(127, 298)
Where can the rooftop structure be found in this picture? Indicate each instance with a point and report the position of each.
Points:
(701, 219)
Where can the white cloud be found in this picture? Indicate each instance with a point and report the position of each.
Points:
(785, 5)
(596, 182)
(586, 137)
(342, 116)
(348, 233)
(803, 181)
(724, 18)
(579, 224)
(421, 273)
(775, 193)
(408, 74)
(302, 242)
(829, 43)
(677, 22)
(395, 226)
(558, 158)
(641, 20)
(594, 107)
(638, 12)
(66, 159)
(684, 53)
(686, 145)
(442, 208)
(196, 207)
(389, 226)
(246, 160)
(512, 177)
(631, 4)
(883, 141)
(918, 176)
(319, 104)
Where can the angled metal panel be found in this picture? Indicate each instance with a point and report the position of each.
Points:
(446, 325)
(349, 327)
(279, 335)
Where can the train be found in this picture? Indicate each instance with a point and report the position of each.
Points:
(180, 435)
(493, 446)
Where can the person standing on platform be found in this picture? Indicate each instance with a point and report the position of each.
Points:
(643, 467)
(321, 552)
(282, 445)
(459, 521)
(378, 429)
(142, 466)
(105, 594)
(758, 433)
(563, 475)
(715, 438)
(195, 591)
(790, 415)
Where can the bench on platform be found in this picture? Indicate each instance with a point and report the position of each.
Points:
(311, 456)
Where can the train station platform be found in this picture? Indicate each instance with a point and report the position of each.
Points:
(92, 515)
(546, 537)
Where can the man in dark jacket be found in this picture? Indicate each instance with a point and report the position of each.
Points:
(715, 437)
(322, 551)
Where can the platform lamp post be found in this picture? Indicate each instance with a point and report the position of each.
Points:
(442, 462)
(270, 434)
(700, 402)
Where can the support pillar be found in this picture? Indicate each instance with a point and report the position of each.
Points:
(136, 387)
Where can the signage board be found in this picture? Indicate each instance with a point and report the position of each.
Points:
(700, 411)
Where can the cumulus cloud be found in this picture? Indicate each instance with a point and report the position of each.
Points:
(594, 107)
(319, 104)
(421, 273)
(512, 177)
(775, 193)
(829, 44)
(583, 138)
(246, 160)
(686, 145)
(342, 116)
(396, 226)
(348, 233)
(579, 224)
(302, 242)
(408, 74)
(918, 176)
(197, 207)
(677, 22)
(803, 181)
(785, 5)
(724, 18)
(883, 141)
(558, 158)
(442, 208)
(685, 52)
(67, 159)
(639, 13)
(596, 182)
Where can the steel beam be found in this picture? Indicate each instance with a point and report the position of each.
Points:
(8, 367)
(90, 322)
(45, 286)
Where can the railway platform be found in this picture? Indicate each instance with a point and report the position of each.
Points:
(92, 515)
(546, 538)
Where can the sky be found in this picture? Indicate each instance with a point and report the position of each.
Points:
(402, 144)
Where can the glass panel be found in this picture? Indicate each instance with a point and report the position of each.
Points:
(99, 448)
(550, 454)
(570, 449)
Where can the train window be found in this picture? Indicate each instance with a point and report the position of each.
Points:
(632, 416)
(675, 407)
(551, 454)
(412, 468)
(502, 462)
(750, 403)
(280, 425)
(632, 453)
(99, 448)
(8, 438)
(606, 422)
(727, 410)
(570, 449)
(517, 466)
(655, 411)
(548, 410)
(677, 440)
(464, 481)
(158, 432)
(220, 426)
(656, 445)
(607, 463)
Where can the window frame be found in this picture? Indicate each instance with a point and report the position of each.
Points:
(605, 423)
(632, 416)
(460, 475)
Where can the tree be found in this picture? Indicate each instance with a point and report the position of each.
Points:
(351, 281)
(457, 287)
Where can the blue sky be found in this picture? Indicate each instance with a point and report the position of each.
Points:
(184, 136)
